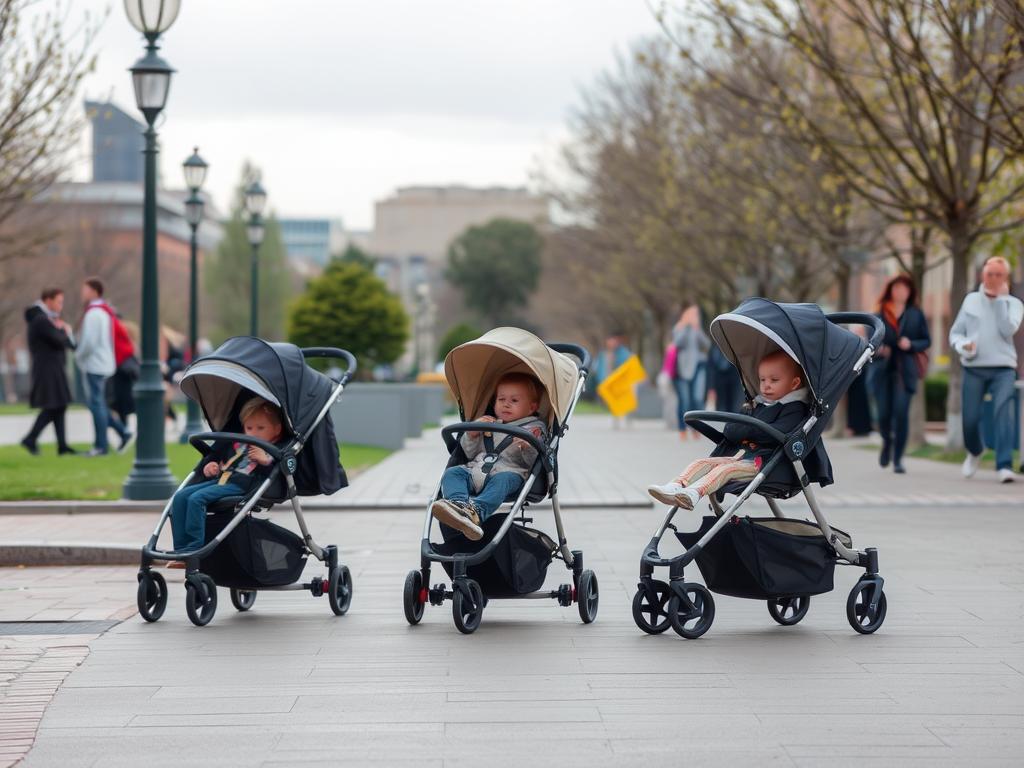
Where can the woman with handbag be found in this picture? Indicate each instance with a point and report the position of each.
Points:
(899, 363)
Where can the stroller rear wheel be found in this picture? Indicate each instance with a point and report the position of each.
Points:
(789, 610)
(243, 599)
(862, 615)
(200, 599)
(152, 595)
(587, 596)
(412, 597)
(652, 618)
(468, 613)
(339, 589)
(692, 622)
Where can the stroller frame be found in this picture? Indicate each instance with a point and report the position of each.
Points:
(467, 597)
(688, 606)
(201, 599)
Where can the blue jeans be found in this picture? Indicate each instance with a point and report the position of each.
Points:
(457, 485)
(689, 395)
(893, 401)
(188, 512)
(998, 382)
(101, 415)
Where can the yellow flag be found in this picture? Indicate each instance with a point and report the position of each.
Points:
(617, 390)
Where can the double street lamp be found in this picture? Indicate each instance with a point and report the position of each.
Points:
(150, 477)
(195, 174)
(255, 202)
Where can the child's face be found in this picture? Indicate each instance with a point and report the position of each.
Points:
(777, 378)
(259, 425)
(513, 401)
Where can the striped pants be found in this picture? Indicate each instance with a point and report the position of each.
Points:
(708, 475)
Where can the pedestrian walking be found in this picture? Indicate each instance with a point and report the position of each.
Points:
(609, 360)
(724, 381)
(49, 338)
(689, 374)
(982, 334)
(120, 397)
(96, 357)
(900, 362)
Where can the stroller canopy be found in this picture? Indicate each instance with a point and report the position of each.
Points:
(474, 368)
(277, 372)
(825, 351)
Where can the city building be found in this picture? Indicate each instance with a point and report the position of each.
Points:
(310, 243)
(117, 144)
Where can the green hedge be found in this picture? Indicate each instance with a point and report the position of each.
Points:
(936, 387)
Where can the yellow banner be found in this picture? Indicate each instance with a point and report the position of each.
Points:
(618, 390)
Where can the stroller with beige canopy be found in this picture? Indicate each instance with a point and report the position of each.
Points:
(511, 559)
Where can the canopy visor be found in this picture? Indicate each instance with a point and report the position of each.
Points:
(215, 385)
(745, 342)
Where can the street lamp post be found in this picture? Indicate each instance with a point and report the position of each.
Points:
(195, 174)
(255, 200)
(150, 477)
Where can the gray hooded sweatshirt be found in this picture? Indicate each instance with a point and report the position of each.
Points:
(511, 459)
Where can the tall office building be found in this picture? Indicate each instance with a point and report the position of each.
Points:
(117, 144)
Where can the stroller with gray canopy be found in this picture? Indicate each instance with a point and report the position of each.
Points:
(778, 559)
(245, 553)
(512, 558)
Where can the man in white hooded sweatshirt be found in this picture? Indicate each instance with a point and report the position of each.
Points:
(95, 357)
(982, 334)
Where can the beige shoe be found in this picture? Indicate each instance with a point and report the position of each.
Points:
(687, 498)
(461, 517)
(666, 493)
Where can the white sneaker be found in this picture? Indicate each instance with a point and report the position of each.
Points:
(1007, 475)
(971, 464)
(687, 498)
(666, 493)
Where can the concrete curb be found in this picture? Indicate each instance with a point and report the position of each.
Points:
(34, 553)
(78, 507)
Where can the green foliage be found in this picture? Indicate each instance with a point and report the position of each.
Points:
(227, 276)
(497, 265)
(458, 334)
(936, 388)
(353, 254)
(348, 306)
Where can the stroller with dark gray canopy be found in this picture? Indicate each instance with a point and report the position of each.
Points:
(242, 552)
(778, 559)
(512, 558)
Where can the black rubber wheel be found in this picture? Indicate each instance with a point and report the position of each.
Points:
(200, 600)
(789, 610)
(858, 611)
(467, 618)
(652, 619)
(151, 595)
(587, 596)
(243, 599)
(339, 590)
(692, 625)
(411, 601)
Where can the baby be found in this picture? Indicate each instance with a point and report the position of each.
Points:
(498, 464)
(782, 403)
(233, 469)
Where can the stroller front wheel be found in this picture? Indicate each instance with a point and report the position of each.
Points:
(411, 597)
(693, 620)
(468, 613)
(339, 589)
(243, 599)
(200, 599)
(587, 596)
(152, 595)
(652, 618)
(864, 616)
(788, 611)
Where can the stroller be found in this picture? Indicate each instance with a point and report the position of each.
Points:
(511, 559)
(781, 560)
(242, 552)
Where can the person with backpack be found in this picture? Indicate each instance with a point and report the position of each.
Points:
(100, 335)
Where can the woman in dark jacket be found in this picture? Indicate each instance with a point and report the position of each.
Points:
(48, 339)
(895, 370)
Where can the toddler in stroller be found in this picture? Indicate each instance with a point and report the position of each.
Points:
(778, 559)
(507, 559)
(288, 449)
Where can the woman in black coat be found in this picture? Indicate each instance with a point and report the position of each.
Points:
(48, 339)
(895, 371)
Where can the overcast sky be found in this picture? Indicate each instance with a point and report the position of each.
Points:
(341, 101)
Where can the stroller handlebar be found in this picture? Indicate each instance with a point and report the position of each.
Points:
(449, 433)
(576, 351)
(696, 419)
(334, 354)
(860, 318)
(200, 439)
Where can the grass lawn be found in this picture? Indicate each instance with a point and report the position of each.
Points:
(590, 408)
(24, 409)
(939, 453)
(48, 476)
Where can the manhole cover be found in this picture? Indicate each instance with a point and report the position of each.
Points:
(55, 627)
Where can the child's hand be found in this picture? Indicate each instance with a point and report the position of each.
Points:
(488, 419)
(259, 455)
(211, 468)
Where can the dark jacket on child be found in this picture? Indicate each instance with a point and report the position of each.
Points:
(245, 473)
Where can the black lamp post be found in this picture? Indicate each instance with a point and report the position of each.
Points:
(255, 201)
(195, 175)
(150, 477)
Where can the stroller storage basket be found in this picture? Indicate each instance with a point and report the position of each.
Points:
(764, 558)
(517, 567)
(256, 554)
